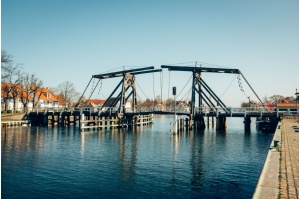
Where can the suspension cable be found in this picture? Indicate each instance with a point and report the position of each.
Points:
(228, 87)
(141, 89)
(184, 86)
(94, 90)
(241, 86)
(187, 95)
(100, 90)
(93, 86)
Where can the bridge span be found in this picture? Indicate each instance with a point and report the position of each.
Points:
(109, 117)
(201, 102)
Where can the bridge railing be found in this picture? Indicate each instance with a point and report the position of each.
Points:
(198, 110)
(247, 110)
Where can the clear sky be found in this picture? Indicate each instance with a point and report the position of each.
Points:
(71, 40)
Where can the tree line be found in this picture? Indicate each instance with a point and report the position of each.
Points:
(15, 82)
(272, 100)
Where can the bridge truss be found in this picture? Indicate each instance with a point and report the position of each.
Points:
(127, 82)
(201, 90)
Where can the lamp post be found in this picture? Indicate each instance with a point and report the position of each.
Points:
(175, 117)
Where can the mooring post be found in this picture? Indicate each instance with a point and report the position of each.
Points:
(46, 119)
(61, 119)
(191, 122)
(81, 123)
(207, 121)
(175, 123)
(186, 123)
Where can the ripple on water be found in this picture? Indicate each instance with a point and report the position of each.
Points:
(40, 162)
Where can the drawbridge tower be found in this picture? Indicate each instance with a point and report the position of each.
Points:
(203, 92)
(127, 84)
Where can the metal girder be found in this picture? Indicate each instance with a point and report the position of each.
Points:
(123, 72)
(149, 71)
(211, 93)
(210, 104)
(202, 69)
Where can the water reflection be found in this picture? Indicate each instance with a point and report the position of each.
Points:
(197, 144)
(128, 156)
(146, 162)
(22, 139)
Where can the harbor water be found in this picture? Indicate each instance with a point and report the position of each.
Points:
(144, 162)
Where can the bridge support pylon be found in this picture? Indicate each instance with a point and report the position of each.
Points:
(199, 123)
(221, 123)
(247, 123)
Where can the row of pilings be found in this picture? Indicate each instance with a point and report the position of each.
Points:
(220, 123)
(88, 120)
(198, 123)
(94, 120)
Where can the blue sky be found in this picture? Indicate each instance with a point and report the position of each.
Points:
(71, 40)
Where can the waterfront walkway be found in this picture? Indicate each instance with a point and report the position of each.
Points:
(280, 174)
(289, 163)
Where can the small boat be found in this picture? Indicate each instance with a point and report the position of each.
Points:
(267, 124)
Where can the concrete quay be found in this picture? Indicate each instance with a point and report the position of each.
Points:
(280, 174)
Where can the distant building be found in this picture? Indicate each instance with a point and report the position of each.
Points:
(288, 105)
(95, 103)
(45, 98)
(12, 96)
(182, 106)
(61, 101)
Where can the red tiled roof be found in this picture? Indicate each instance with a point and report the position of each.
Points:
(96, 101)
(42, 92)
(295, 105)
(22, 94)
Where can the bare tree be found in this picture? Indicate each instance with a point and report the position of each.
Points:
(10, 78)
(6, 65)
(276, 98)
(250, 103)
(169, 102)
(32, 90)
(67, 90)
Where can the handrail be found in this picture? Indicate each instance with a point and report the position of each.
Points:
(198, 110)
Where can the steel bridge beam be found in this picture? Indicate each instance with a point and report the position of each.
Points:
(201, 69)
(122, 73)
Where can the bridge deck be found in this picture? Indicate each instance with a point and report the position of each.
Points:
(199, 112)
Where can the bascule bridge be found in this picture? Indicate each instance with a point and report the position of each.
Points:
(203, 103)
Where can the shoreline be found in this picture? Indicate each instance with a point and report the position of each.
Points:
(279, 177)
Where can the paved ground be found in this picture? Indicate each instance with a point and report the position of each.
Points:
(289, 159)
(11, 117)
